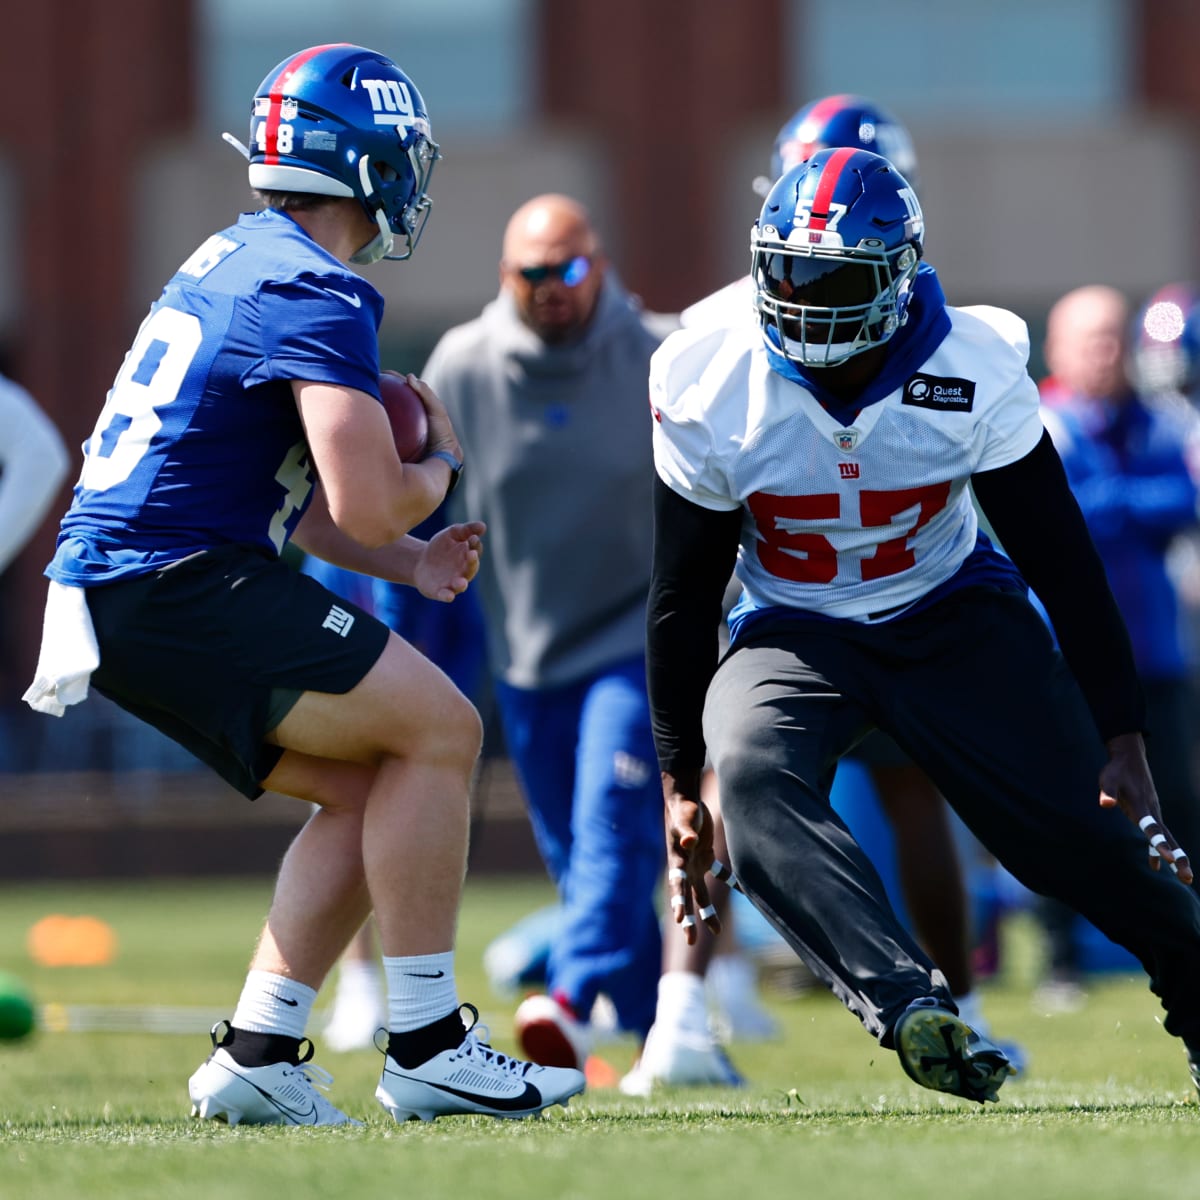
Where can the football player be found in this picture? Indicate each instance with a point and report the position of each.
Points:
(826, 454)
(927, 856)
(247, 415)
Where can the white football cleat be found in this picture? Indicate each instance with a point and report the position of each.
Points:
(675, 1058)
(278, 1094)
(474, 1078)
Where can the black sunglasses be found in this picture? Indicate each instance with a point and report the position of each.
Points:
(572, 272)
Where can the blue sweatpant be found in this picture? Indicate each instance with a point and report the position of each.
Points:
(585, 757)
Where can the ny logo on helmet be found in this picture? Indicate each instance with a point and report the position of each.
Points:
(392, 102)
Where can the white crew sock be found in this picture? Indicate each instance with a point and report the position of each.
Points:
(273, 1004)
(421, 989)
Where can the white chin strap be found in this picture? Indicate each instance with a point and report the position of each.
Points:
(380, 246)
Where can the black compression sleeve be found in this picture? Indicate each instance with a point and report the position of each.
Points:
(1040, 527)
(694, 553)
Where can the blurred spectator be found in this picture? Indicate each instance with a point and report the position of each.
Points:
(547, 390)
(33, 466)
(1126, 458)
(1165, 358)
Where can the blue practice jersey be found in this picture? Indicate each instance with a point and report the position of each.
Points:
(200, 441)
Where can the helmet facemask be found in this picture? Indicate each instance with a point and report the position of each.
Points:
(820, 307)
(398, 208)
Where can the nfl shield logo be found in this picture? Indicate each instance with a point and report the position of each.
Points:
(289, 109)
(846, 440)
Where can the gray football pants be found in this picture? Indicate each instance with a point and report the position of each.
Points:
(974, 690)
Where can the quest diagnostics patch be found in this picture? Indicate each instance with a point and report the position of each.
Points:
(942, 393)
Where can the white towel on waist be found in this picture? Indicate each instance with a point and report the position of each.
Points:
(69, 652)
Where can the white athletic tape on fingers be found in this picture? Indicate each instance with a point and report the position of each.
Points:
(1146, 821)
(676, 873)
(1159, 839)
(708, 912)
(677, 901)
(688, 921)
(1154, 853)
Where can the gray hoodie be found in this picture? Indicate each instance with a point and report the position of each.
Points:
(559, 464)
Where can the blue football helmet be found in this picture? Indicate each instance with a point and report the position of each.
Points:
(834, 253)
(339, 120)
(1165, 351)
(841, 120)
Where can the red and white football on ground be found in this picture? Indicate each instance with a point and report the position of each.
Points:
(410, 424)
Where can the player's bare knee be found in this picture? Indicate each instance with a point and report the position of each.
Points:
(449, 730)
(468, 731)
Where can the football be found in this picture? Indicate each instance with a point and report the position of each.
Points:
(410, 425)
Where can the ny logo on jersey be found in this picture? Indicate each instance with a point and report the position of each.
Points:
(392, 102)
(848, 470)
(339, 620)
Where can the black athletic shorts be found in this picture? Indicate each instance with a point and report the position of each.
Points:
(215, 649)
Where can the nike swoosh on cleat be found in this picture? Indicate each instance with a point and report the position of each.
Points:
(306, 1116)
(530, 1097)
(419, 975)
(354, 301)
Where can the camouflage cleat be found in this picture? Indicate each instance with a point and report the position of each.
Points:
(940, 1051)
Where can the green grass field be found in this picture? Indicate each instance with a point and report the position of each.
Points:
(1105, 1110)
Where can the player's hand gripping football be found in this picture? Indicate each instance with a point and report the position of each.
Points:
(449, 561)
(441, 432)
(689, 856)
(1125, 782)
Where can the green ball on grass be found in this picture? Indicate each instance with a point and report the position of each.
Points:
(17, 1014)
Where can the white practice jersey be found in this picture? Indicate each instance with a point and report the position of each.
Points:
(731, 305)
(849, 521)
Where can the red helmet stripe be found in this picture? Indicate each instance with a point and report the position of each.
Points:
(827, 109)
(827, 184)
(271, 155)
(795, 151)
